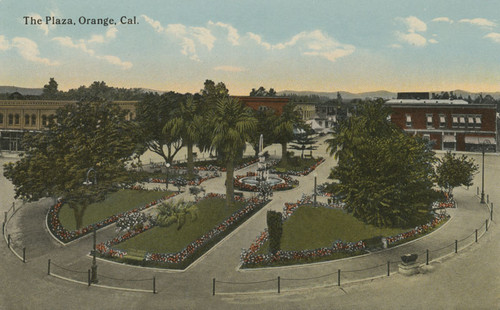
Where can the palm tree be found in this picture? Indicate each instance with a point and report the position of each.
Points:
(233, 124)
(283, 129)
(371, 120)
(176, 212)
(186, 126)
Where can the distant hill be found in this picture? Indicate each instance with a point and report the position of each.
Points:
(345, 95)
(23, 91)
(379, 94)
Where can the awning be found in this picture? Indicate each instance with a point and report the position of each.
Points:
(480, 140)
(449, 138)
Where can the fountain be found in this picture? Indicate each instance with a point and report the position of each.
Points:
(261, 176)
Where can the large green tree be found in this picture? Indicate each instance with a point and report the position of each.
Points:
(186, 125)
(453, 171)
(266, 118)
(57, 161)
(385, 176)
(232, 126)
(50, 90)
(283, 129)
(152, 113)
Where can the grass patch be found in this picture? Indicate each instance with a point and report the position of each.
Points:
(295, 164)
(171, 240)
(117, 202)
(311, 228)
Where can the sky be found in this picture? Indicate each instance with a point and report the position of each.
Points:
(356, 46)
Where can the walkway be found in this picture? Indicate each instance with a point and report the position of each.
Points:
(193, 287)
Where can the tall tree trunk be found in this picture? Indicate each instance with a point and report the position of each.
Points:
(284, 157)
(229, 182)
(78, 212)
(190, 163)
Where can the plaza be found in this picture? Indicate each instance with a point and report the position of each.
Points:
(462, 280)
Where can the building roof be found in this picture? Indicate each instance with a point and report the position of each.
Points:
(427, 101)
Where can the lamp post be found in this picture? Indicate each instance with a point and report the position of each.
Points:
(94, 263)
(168, 166)
(315, 192)
(483, 148)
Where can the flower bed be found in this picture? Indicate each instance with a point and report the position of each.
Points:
(303, 172)
(211, 167)
(64, 235)
(437, 220)
(195, 248)
(250, 258)
(194, 182)
(289, 183)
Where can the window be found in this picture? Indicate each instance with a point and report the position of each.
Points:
(478, 121)
(33, 119)
(429, 120)
(11, 119)
(455, 121)
(17, 119)
(408, 120)
(26, 119)
(1, 118)
(442, 121)
(470, 121)
(462, 121)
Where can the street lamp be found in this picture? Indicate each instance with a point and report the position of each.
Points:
(87, 181)
(315, 192)
(94, 263)
(168, 166)
(483, 148)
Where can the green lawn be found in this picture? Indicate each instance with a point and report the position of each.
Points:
(311, 228)
(295, 164)
(170, 240)
(117, 202)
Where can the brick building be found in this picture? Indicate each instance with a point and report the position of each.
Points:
(19, 116)
(449, 124)
(256, 103)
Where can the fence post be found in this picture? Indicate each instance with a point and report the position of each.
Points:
(213, 287)
(8, 240)
(279, 284)
(89, 277)
(487, 198)
(486, 224)
(477, 191)
(388, 268)
(24, 255)
(491, 212)
(48, 268)
(154, 285)
(5, 220)
(3, 228)
(427, 257)
(338, 278)
(456, 246)
(476, 235)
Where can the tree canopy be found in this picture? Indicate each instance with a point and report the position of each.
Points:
(57, 161)
(453, 171)
(385, 176)
(152, 113)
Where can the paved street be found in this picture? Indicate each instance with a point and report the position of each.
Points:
(469, 279)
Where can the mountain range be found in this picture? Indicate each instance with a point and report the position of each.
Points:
(345, 95)
(378, 94)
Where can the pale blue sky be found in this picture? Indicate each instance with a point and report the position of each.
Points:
(354, 46)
